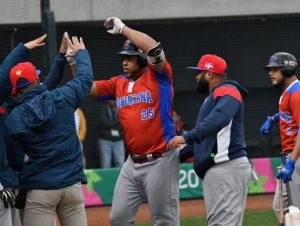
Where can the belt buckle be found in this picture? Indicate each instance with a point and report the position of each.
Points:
(149, 157)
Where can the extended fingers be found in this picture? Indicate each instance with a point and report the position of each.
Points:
(75, 40)
(40, 41)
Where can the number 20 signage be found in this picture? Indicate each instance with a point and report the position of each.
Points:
(188, 179)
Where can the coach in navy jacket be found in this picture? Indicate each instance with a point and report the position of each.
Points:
(8, 178)
(218, 143)
(41, 129)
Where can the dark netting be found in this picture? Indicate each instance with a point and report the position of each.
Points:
(245, 44)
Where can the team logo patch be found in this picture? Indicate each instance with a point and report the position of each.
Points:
(208, 65)
(272, 59)
(18, 72)
(127, 44)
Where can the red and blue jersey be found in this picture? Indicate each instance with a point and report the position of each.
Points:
(144, 108)
(289, 108)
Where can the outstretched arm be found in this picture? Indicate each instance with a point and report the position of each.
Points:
(57, 69)
(153, 49)
(20, 54)
(79, 87)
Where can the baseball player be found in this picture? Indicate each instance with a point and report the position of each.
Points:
(144, 96)
(8, 178)
(218, 142)
(42, 128)
(282, 72)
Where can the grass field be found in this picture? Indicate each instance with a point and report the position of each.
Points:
(251, 218)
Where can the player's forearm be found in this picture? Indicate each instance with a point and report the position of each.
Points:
(19, 54)
(296, 151)
(56, 73)
(140, 39)
(73, 70)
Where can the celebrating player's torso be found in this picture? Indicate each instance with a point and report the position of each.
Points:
(289, 108)
(144, 108)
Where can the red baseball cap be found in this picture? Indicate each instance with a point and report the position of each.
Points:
(213, 63)
(24, 70)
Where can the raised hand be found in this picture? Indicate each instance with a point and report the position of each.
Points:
(69, 52)
(63, 44)
(36, 42)
(75, 45)
(114, 25)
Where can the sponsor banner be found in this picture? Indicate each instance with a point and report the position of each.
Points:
(101, 182)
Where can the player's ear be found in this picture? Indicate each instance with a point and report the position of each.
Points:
(209, 75)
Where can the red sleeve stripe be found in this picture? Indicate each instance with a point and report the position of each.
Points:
(2, 110)
(227, 90)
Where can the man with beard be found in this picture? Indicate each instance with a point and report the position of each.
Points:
(218, 143)
(144, 97)
(282, 72)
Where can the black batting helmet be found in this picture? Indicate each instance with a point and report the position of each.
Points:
(285, 61)
(129, 49)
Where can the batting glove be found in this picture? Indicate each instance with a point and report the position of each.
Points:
(8, 196)
(266, 128)
(286, 173)
(70, 59)
(69, 54)
(114, 25)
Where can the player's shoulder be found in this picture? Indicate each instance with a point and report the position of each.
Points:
(294, 89)
(227, 90)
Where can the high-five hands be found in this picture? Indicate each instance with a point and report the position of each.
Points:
(74, 44)
(114, 25)
(69, 52)
(40, 41)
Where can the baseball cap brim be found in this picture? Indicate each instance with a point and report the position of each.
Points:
(195, 68)
(267, 67)
(130, 53)
(199, 69)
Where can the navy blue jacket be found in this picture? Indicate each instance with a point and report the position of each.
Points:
(8, 177)
(19, 54)
(42, 126)
(219, 132)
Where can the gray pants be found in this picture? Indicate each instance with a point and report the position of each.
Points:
(157, 182)
(42, 205)
(225, 187)
(294, 189)
(8, 216)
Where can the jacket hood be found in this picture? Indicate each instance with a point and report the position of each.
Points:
(244, 92)
(38, 105)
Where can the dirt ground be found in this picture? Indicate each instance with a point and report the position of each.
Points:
(98, 216)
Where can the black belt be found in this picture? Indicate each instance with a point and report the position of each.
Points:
(146, 158)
